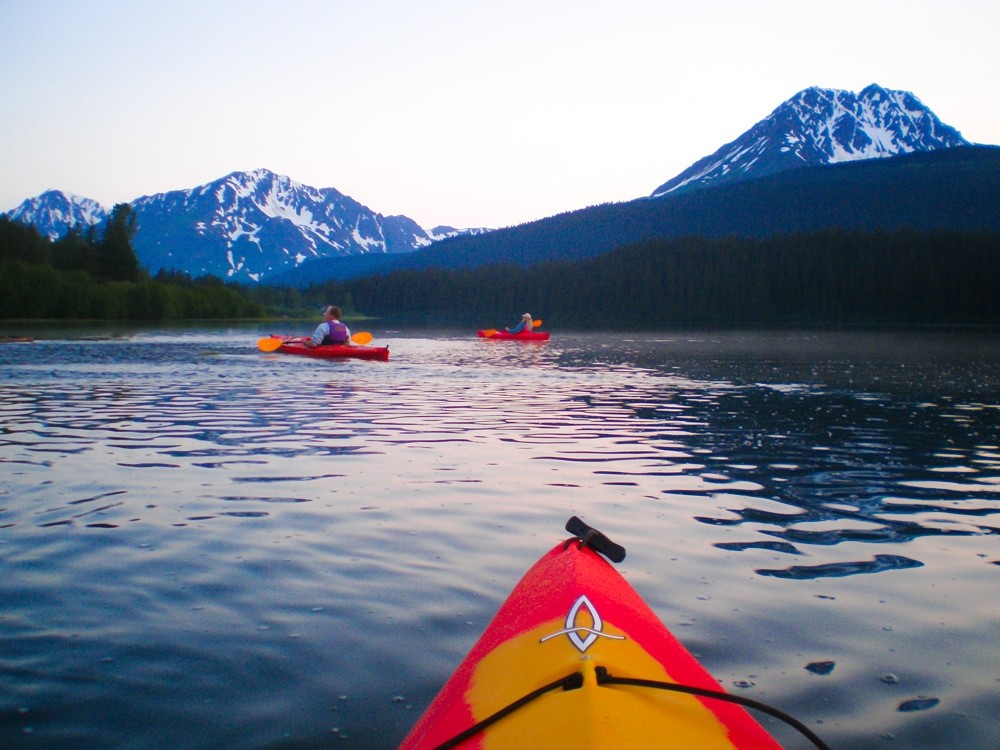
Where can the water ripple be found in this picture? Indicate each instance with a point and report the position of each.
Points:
(181, 532)
(877, 564)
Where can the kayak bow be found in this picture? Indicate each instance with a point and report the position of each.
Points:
(575, 658)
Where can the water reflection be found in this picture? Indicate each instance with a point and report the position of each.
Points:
(180, 504)
(831, 465)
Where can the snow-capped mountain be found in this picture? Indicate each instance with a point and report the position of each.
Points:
(250, 225)
(257, 225)
(822, 126)
(245, 226)
(54, 212)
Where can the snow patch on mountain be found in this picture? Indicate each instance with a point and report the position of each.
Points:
(822, 126)
(54, 213)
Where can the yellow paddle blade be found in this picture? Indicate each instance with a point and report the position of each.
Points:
(269, 344)
(362, 338)
(490, 333)
(536, 323)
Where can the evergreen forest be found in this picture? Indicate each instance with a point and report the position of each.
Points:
(827, 277)
(83, 276)
(835, 277)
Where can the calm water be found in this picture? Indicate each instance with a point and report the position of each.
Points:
(204, 546)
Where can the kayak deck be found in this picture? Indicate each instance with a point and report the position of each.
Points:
(570, 629)
(294, 345)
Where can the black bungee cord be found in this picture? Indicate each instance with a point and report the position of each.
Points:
(569, 682)
(575, 680)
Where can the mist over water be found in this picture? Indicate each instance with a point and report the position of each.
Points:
(206, 546)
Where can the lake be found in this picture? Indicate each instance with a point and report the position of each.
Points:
(206, 546)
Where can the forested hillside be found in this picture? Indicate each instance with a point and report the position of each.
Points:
(951, 189)
(828, 277)
(83, 276)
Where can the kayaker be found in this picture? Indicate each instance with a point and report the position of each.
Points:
(524, 325)
(330, 331)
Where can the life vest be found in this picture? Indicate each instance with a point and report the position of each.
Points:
(338, 333)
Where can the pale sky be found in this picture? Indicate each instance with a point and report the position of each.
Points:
(461, 112)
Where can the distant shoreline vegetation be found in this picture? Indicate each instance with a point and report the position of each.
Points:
(838, 277)
(85, 277)
(828, 277)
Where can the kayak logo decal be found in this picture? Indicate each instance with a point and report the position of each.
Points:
(573, 630)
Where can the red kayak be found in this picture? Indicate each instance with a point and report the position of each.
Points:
(294, 345)
(521, 336)
(576, 659)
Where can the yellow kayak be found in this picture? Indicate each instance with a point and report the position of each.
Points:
(575, 658)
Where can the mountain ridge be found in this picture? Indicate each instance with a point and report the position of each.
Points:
(821, 126)
(248, 225)
(952, 189)
(258, 226)
(242, 226)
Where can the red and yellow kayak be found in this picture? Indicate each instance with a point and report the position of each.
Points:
(491, 333)
(294, 345)
(574, 659)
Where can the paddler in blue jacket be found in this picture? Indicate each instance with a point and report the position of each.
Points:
(330, 331)
(524, 325)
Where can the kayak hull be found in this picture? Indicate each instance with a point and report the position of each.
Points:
(522, 336)
(573, 613)
(294, 345)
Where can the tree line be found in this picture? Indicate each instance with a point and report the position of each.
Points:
(824, 277)
(860, 277)
(92, 274)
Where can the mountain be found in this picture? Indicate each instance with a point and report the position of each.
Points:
(950, 189)
(821, 126)
(246, 226)
(814, 132)
(249, 225)
(54, 213)
(259, 226)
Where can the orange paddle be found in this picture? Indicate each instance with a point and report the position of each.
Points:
(269, 344)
